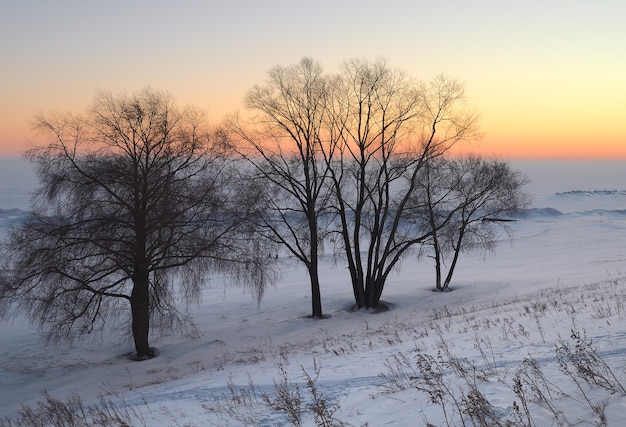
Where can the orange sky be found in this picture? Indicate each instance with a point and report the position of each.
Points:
(547, 77)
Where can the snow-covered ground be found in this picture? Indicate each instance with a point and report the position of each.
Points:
(509, 320)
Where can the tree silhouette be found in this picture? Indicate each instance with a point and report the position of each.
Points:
(135, 206)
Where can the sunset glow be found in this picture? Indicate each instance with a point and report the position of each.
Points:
(547, 78)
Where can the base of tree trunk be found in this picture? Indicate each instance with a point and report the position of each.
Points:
(381, 308)
(151, 355)
(324, 317)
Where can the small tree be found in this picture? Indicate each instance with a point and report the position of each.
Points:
(463, 201)
(135, 206)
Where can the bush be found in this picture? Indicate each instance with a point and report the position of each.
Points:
(52, 412)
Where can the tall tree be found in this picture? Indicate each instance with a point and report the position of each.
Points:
(134, 207)
(387, 128)
(284, 147)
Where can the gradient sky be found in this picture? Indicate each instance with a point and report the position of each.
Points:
(548, 78)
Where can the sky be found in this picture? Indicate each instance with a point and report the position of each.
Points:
(548, 78)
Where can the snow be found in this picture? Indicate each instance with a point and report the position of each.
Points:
(562, 271)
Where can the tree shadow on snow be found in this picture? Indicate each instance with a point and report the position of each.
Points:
(383, 306)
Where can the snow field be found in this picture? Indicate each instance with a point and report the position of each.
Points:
(510, 316)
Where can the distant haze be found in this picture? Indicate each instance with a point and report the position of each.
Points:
(546, 178)
(17, 182)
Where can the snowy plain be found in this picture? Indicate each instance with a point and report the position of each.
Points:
(562, 271)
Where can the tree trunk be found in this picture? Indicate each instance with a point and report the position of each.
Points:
(455, 258)
(355, 269)
(437, 256)
(375, 290)
(436, 248)
(371, 292)
(313, 266)
(357, 286)
(372, 300)
(316, 298)
(140, 309)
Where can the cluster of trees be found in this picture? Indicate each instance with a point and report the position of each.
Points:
(359, 159)
(140, 200)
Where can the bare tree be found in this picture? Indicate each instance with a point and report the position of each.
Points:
(134, 207)
(464, 201)
(387, 128)
(284, 147)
